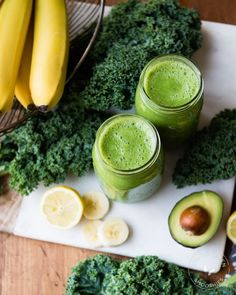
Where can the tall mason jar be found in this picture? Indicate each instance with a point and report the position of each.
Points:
(128, 158)
(170, 95)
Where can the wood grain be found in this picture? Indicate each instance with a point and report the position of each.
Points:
(39, 268)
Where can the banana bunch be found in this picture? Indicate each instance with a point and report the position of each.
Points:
(34, 53)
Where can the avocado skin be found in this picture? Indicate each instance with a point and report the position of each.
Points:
(214, 197)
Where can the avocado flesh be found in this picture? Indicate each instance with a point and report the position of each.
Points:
(208, 200)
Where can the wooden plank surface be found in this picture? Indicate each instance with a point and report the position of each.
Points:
(39, 268)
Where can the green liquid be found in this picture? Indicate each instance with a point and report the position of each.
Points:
(127, 143)
(127, 158)
(171, 83)
(170, 95)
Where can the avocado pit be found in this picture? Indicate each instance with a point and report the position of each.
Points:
(195, 220)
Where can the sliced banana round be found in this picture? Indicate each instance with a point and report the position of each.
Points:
(113, 232)
(90, 232)
(96, 205)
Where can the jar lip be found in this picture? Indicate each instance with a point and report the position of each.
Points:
(152, 159)
(188, 62)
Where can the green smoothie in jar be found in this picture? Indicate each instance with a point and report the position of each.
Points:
(128, 158)
(170, 95)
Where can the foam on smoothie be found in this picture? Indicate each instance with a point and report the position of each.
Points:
(127, 143)
(171, 83)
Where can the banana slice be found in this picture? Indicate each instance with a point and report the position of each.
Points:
(90, 232)
(113, 232)
(96, 205)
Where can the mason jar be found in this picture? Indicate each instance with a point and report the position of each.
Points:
(170, 95)
(128, 158)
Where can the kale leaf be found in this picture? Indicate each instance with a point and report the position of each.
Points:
(148, 275)
(142, 275)
(211, 155)
(50, 146)
(132, 34)
(230, 290)
(89, 276)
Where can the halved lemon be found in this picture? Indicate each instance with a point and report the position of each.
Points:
(231, 227)
(62, 206)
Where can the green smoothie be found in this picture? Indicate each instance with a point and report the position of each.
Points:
(171, 84)
(170, 95)
(128, 158)
(127, 143)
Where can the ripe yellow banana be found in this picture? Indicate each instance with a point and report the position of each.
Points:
(22, 90)
(50, 53)
(14, 21)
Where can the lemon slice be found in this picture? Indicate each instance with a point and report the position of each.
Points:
(231, 227)
(62, 206)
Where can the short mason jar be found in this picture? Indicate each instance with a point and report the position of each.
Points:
(128, 185)
(176, 124)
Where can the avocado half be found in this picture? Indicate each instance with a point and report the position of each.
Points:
(208, 200)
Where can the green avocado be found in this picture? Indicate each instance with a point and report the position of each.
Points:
(194, 220)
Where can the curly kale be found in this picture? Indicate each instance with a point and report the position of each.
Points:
(148, 275)
(131, 35)
(89, 276)
(142, 275)
(230, 290)
(211, 154)
(49, 147)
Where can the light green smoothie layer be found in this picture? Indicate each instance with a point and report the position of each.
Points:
(171, 83)
(127, 143)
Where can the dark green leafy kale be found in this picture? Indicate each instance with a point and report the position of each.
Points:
(230, 290)
(148, 275)
(49, 147)
(143, 275)
(131, 35)
(8, 151)
(211, 155)
(89, 276)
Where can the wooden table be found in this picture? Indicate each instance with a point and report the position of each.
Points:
(40, 268)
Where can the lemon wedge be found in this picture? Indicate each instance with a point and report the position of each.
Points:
(62, 207)
(231, 227)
